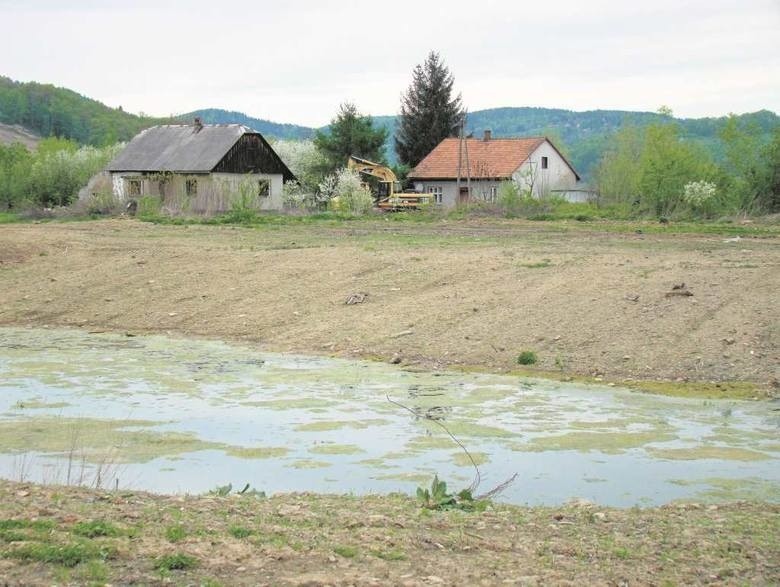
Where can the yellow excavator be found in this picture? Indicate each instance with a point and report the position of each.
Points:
(389, 193)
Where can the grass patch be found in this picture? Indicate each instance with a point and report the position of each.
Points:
(40, 525)
(23, 530)
(95, 529)
(389, 555)
(346, 551)
(240, 532)
(537, 265)
(68, 555)
(175, 533)
(9, 217)
(175, 562)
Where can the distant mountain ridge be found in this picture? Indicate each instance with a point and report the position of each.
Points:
(47, 110)
(265, 127)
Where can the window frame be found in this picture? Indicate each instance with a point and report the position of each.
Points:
(135, 186)
(545, 162)
(437, 192)
(191, 186)
(264, 181)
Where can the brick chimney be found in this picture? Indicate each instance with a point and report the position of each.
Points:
(488, 135)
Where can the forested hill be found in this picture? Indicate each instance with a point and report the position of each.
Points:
(51, 111)
(264, 127)
(585, 135)
(47, 110)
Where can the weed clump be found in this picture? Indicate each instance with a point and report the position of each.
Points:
(438, 498)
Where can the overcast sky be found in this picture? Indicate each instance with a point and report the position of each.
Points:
(295, 61)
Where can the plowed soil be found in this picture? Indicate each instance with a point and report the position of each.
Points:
(469, 293)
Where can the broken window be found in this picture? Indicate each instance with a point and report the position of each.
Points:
(544, 162)
(134, 187)
(263, 188)
(191, 187)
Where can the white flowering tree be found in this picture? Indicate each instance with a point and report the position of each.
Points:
(700, 195)
(348, 192)
(304, 160)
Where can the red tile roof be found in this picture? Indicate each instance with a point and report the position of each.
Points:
(494, 158)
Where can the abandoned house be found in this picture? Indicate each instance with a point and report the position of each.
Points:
(471, 169)
(200, 169)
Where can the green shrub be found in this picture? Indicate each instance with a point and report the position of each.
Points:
(149, 207)
(526, 358)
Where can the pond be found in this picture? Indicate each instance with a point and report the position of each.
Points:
(187, 415)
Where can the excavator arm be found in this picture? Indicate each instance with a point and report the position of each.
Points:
(381, 172)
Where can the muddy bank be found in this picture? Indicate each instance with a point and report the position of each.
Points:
(69, 535)
(442, 294)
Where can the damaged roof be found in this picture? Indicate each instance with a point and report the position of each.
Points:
(493, 158)
(183, 148)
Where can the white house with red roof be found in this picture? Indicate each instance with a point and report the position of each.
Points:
(532, 162)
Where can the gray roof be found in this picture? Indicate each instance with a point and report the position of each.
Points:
(178, 147)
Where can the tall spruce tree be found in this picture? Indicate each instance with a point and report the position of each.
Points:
(429, 113)
(350, 133)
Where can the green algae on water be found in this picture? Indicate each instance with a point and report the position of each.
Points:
(606, 442)
(462, 459)
(726, 489)
(36, 404)
(98, 440)
(259, 452)
(309, 464)
(723, 453)
(470, 429)
(326, 425)
(304, 403)
(336, 449)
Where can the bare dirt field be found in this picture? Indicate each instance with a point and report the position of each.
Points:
(54, 535)
(587, 300)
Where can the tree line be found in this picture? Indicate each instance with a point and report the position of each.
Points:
(651, 170)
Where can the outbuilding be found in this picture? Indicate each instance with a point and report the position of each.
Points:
(200, 169)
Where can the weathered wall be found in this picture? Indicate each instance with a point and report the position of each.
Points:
(216, 192)
(557, 176)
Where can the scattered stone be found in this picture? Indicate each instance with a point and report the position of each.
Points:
(356, 298)
(395, 360)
